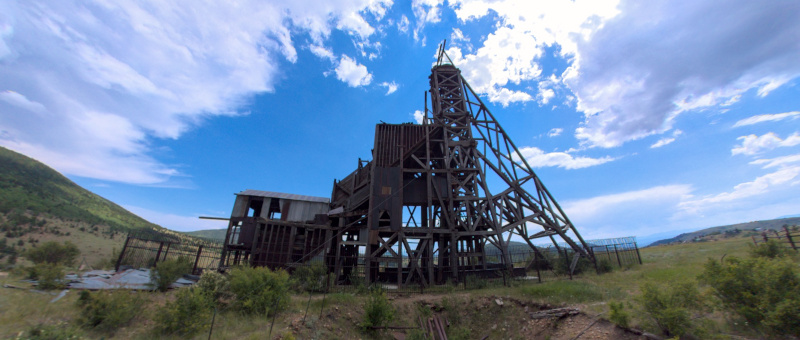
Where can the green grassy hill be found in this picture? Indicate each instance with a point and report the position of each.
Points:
(211, 234)
(755, 226)
(29, 188)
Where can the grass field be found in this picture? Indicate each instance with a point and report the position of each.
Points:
(497, 312)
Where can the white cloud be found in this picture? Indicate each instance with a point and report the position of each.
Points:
(457, 36)
(425, 11)
(589, 208)
(767, 118)
(555, 132)
(666, 140)
(390, 87)
(511, 53)
(752, 144)
(352, 73)
(538, 158)
(778, 161)
(322, 52)
(402, 24)
(176, 222)
(599, 216)
(121, 73)
(418, 116)
(777, 180)
(632, 82)
(21, 101)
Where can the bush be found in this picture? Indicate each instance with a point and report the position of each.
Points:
(761, 290)
(562, 264)
(168, 271)
(770, 249)
(604, 266)
(59, 331)
(259, 290)
(54, 253)
(310, 278)
(188, 314)
(214, 284)
(618, 315)
(50, 276)
(108, 310)
(670, 306)
(378, 312)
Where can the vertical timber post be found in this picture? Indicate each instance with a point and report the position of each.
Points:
(158, 254)
(638, 254)
(789, 237)
(122, 253)
(197, 258)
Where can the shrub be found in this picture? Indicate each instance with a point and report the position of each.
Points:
(214, 284)
(770, 249)
(108, 310)
(562, 264)
(604, 266)
(60, 331)
(670, 306)
(618, 315)
(310, 278)
(168, 271)
(188, 314)
(54, 253)
(50, 276)
(259, 290)
(760, 290)
(378, 312)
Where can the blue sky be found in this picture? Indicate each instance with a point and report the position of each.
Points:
(642, 118)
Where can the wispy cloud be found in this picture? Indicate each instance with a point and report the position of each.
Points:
(555, 132)
(122, 73)
(777, 180)
(628, 90)
(176, 222)
(538, 158)
(352, 73)
(752, 144)
(666, 140)
(767, 118)
(390, 87)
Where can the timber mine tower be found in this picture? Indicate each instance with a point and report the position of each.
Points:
(421, 212)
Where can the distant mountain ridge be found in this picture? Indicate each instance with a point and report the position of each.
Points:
(760, 225)
(29, 186)
(211, 234)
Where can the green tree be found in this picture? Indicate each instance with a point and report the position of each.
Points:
(54, 253)
(761, 290)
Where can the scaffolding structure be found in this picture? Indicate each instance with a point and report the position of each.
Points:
(424, 211)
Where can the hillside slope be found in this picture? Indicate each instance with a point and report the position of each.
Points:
(211, 234)
(30, 187)
(755, 225)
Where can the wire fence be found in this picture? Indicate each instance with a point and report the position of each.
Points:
(408, 274)
(147, 250)
(789, 236)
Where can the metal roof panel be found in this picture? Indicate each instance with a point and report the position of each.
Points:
(272, 194)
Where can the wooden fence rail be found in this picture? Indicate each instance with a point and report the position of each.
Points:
(786, 236)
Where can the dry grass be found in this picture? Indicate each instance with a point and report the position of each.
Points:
(22, 309)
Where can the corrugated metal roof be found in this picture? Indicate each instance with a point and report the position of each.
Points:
(272, 194)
